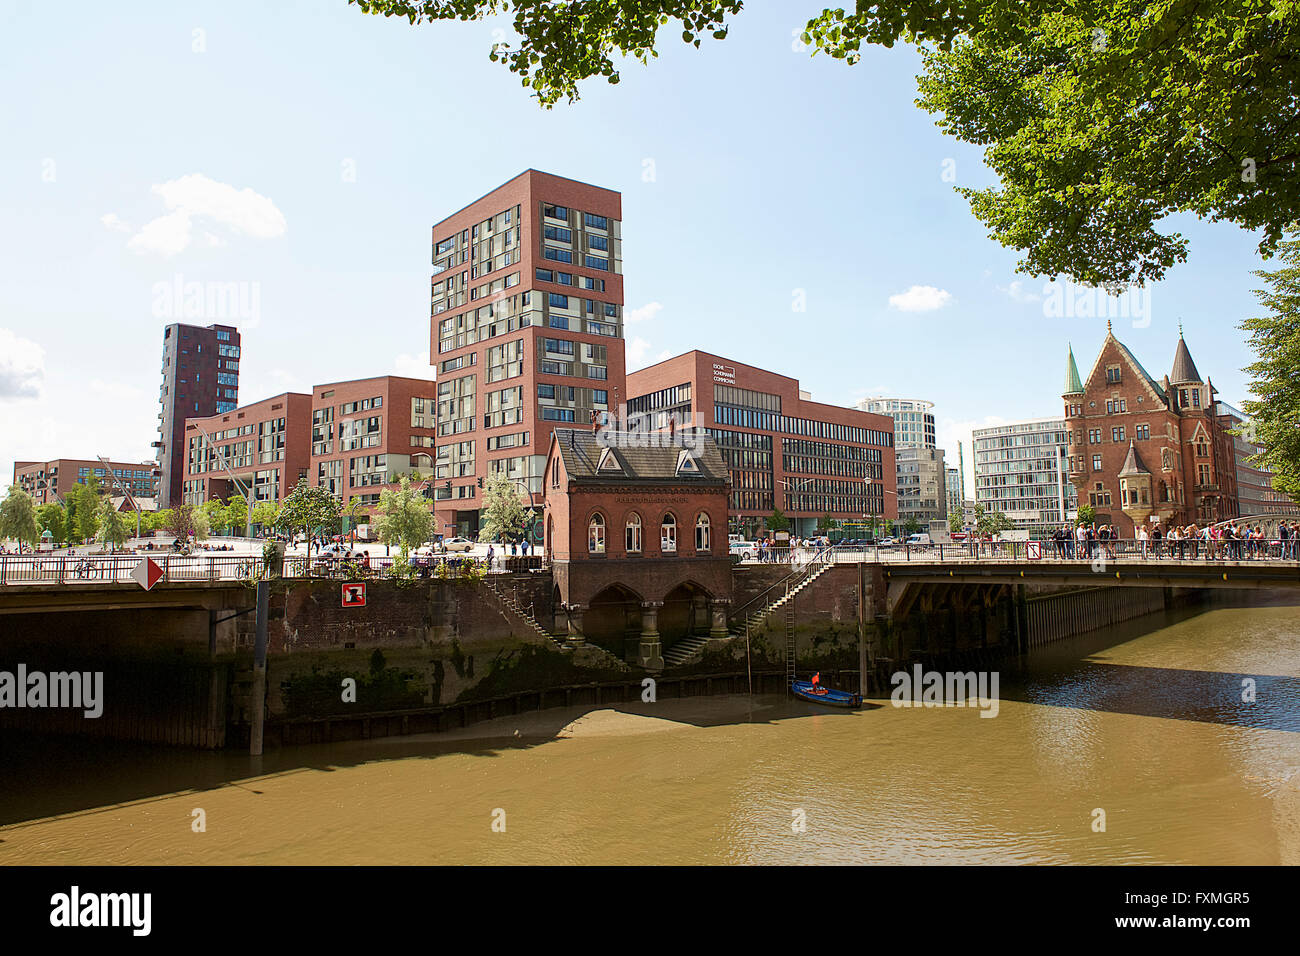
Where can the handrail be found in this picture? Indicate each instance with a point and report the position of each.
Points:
(822, 556)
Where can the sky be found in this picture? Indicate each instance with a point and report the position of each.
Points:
(787, 211)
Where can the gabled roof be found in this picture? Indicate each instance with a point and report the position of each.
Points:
(1133, 463)
(1155, 386)
(1184, 370)
(640, 456)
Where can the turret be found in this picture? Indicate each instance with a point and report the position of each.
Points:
(1135, 487)
(1073, 396)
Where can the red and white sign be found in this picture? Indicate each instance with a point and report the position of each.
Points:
(354, 595)
(1034, 550)
(147, 573)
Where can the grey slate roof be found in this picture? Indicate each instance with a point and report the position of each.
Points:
(1184, 368)
(581, 450)
(1133, 463)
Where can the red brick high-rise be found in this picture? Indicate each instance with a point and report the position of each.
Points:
(526, 331)
(1143, 451)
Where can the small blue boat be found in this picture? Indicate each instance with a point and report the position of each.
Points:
(824, 695)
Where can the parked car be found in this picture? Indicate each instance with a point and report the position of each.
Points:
(888, 541)
(457, 544)
(747, 550)
(339, 550)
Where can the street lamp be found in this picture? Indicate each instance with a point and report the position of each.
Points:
(884, 491)
(790, 491)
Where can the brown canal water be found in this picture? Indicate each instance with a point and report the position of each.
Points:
(1145, 723)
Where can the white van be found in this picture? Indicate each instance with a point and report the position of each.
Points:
(919, 540)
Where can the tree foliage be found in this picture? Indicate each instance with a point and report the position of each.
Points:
(113, 529)
(777, 521)
(52, 518)
(404, 518)
(18, 518)
(504, 514)
(1100, 118)
(308, 509)
(83, 503)
(1275, 374)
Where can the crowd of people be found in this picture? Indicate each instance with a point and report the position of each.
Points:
(1230, 541)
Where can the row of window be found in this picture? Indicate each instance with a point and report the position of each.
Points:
(633, 538)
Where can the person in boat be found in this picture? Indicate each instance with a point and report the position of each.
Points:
(816, 684)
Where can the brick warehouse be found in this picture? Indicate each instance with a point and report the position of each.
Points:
(264, 444)
(1143, 451)
(781, 448)
(635, 531)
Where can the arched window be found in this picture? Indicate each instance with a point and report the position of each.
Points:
(632, 534)
(702, 533)
(596, 534)
(668, 534)
(555, 472)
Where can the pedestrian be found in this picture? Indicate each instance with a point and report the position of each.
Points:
(489, 557)
(1143, 540)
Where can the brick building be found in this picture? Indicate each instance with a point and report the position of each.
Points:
(782, 449)
(200, 368)
(363, 435)
(48, 482)
(264, 444)
(1143, 451)
(635, 529)
(526, 330)
(1256, 496)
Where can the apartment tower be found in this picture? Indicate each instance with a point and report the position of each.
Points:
(526, 332)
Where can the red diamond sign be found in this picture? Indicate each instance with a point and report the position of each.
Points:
(147, 573)
(354, 595)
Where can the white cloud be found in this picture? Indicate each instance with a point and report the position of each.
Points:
(643, 314)
(638, 350)
(22, 367)
(1017, 292)
(413, 366)
(197, 198)
(111, 221)
(920, 298)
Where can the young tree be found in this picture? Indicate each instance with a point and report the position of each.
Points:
(264, 514)
(215, 513)
(1093, 151)
(180, 522)
(235, 518)
(18, 518)
(954, 520)
(988, 523)
(825, 523)
(504, 514)
(404, 517)
(911, 525)
(52, 518)
(308, 509)
(113, 529)
(778, 521)
(1087, 514)
(83, 510)
(1275, 374)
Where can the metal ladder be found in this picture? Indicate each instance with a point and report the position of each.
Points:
(788, 607)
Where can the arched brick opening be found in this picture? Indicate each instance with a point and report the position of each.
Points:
(613, 620)
(685, 612)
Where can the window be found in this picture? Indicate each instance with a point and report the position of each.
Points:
(1112, 374)
(1096, 462)
(557, 414)
(596, 534)
(595, 222)
(592, 262)
(559, 301)
(545, 275)
(1196, 398)
(556, 212)
(558, 234)
(1117, 433)
(702, 533)
(597, 242)
(558, 255)
(1143, 432)
(632, 534)
(555, 472)
(668, 535)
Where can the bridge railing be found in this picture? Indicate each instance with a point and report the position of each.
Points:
(1114, 549)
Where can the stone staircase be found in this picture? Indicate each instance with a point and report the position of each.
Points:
(756, 619)
(684, 650)
(520, 618)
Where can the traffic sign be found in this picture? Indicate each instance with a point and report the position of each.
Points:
(354, 595)
(1034, 550)
(147, 573)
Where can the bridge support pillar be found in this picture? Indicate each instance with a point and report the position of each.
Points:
(1022, 620)
(573, 613)
(650, 652)
(718, 611)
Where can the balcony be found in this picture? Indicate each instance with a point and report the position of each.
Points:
(1211, 488)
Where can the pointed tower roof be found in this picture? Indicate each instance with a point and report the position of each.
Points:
(1184, 371)
(1133, 463)
(1073, 385)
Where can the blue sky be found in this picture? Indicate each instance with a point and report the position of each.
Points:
(303, 150)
